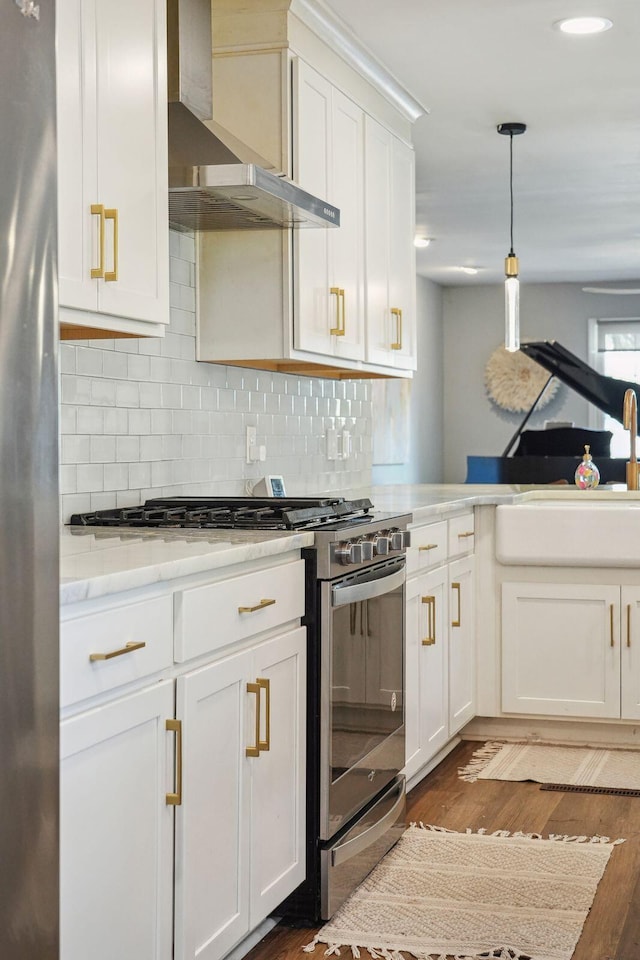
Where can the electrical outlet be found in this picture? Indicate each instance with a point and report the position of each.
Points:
(252, 436)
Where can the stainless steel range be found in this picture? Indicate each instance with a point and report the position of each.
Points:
(355, 587)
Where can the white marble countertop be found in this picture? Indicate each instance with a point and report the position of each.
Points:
(97, 561)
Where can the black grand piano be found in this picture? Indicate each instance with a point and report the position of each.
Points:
(551, 456)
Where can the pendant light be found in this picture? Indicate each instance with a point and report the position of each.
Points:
(511, 283)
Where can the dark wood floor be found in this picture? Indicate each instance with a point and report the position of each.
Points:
(612, 930)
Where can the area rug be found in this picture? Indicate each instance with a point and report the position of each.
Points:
(546, 763)
(441, 894)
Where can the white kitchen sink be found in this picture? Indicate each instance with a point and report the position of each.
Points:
(569, 532)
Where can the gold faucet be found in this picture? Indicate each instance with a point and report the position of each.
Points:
(630, 423)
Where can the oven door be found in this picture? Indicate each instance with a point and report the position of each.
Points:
(362, 689)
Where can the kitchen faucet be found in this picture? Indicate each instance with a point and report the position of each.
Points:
(630, 423)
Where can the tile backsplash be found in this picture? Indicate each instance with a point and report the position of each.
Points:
(142, 418)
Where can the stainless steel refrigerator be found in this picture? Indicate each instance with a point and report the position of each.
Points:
(28, 485)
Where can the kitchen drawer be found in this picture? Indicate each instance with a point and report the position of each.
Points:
(428, 547)
(106, 633)
(461, 535)
(217, 614)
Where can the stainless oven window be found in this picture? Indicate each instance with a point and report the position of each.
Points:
(367, 666)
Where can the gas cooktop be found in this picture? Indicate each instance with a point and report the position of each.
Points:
(249, 513)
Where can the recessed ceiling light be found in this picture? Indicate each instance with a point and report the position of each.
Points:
(469, 270)
(584, 25)
(421, 241)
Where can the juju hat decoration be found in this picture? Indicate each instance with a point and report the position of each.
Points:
(513, 381)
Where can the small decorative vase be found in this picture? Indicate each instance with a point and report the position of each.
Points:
(587, 475)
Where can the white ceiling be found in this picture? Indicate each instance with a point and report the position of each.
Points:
(477, 63)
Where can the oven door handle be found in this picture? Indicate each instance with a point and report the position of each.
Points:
(356, 592)
(351, 848)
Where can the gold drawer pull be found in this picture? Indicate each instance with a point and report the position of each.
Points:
(468, 533)
(431, 621)
(427, 546)
(397, 312)
(258, 606)
(456, 623)
(254, 751)
(113, 274)
(97, 210)
(175, 726)
(340, 327)
(265, 685)
(628, 624)
(611, 624)
(128, 648)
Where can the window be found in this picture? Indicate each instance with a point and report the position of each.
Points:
(615, 352)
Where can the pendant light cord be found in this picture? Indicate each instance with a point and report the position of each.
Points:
(511, 253)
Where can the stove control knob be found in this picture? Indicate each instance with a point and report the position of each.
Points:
(367, 548)
(397, 539)
(348, 552)
(380, 544)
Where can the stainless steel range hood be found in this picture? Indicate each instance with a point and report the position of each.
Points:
(215, 181)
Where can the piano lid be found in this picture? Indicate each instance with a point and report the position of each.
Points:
(606, 393)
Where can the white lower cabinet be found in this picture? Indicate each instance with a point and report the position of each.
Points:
(571, 649)
(240, 829)
(440, 663)
(182, 783)
(116, 829)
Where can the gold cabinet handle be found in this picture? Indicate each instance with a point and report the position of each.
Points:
(456, 623)
(427, 546)
(431, 621)
(175, 799)
(611, 624)
(258, 606)
(128, 648)
(467, 533)
(397, 312)
(628, 624)
(254, 751)
(110, 275)
(97, 210)
(339, 329)
(265, 685)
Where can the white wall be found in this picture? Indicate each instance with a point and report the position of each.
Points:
(425, 458)
(473, 321)
(141, 418)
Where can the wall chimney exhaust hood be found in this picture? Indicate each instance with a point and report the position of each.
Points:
(215, 181)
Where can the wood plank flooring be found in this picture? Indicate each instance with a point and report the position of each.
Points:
(612, 929)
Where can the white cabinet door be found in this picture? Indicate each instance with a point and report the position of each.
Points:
(390, 255)
(212, 824)
(329, 263)
(132, 157)
(402, 255)
(278, 775)
(560, 649)
(426, 669)
(462, 651)
(116, 830)
(112, 162)
(240, 829)
(630, 653)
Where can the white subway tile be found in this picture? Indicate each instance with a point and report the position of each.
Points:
(74, 503)
(90, 420)
(150, 346)
(68, 478)
(90, 477)
(88, 362)
(139, 475)
(127, 393)
(114, 365)
(103, 501)
(139, 367)
(171, 395)
(116, 420)
(67, 359)
(68, 418)
(139, 422)
(160, 473)
(75, 448)
(74, 389)
(103, 392)
(187, 248)
(161, 421)
(150, 448)
(116, 476)
(103, 449)
(179, 271)
(127, 449)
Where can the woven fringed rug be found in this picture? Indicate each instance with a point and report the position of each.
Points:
(471, 896)
(548, 763)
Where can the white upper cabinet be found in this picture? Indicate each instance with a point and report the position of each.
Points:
(309, 300)
(112, 166)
